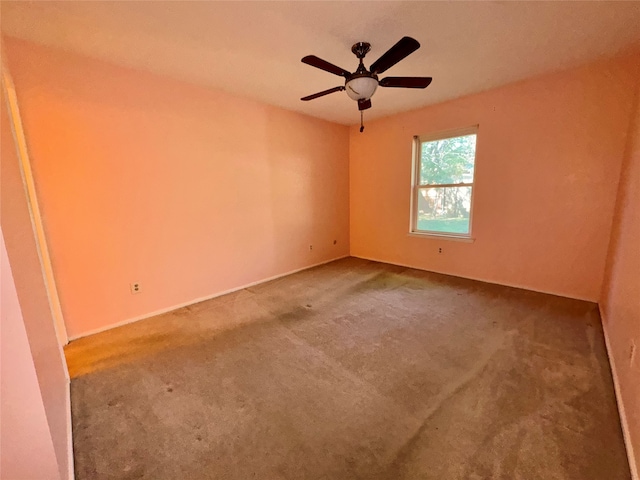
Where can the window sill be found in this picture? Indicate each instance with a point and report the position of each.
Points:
(444, 236)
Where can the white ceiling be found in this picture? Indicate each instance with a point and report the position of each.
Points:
(254, 48)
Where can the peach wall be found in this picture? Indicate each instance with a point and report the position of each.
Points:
(187, 190)
(548, 158)
(620, 302)
(43, 354)
(26, 449)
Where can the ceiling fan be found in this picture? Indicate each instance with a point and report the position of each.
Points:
(362, 84)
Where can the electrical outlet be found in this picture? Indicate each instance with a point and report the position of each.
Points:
(632, 353)
(310, 247)
(135, 288)
(439, 249)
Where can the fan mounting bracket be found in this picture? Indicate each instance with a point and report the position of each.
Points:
(360, 49)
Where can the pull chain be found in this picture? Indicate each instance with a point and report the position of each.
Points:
(361, 125)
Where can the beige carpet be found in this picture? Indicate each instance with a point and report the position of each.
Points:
(352, 370)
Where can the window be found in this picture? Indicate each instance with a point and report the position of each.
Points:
(442, 190)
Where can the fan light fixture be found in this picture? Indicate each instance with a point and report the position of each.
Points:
(361, 88)
(362, 84)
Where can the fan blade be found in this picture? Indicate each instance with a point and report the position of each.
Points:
(364, 104)
(405, 82)
(323, 93)
(405, 47)
(324, 65)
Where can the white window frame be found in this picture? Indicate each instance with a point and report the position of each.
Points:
(416, 186)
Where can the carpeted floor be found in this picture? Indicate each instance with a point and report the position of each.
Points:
(352, 370)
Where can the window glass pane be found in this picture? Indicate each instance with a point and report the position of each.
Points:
(447, 161)
(444, 209)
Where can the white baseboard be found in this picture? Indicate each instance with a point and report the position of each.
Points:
(493, 282)
(621, 409)
(200, 299)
